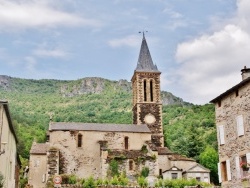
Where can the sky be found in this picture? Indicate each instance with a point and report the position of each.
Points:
(199, 46)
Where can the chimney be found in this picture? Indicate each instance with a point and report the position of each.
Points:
(245, 73)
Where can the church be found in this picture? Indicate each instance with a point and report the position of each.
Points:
(87, 149)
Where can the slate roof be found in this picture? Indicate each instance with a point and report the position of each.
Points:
(234, 88)
(65, 126)
(39, 148)
(172, 169)
(202, 167)
(164, 151)
(177, 157)
(145, 62)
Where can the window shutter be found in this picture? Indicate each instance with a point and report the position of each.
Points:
(219, 172)
(221, 134)
(43, 179)
(240, 125)
(248, 158)
(228, 170)
(237, 166)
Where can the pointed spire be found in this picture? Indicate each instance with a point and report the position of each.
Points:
(145, 62)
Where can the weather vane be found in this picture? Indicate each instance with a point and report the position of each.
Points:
(143, 32)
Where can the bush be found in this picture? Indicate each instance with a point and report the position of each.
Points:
(123, 180)
(106, 182)
(23, 182)
(114, 181)
(142, 181)
(89, 183)
(72, 179)
(145, 171)
(180, 183)
(99, 182)
(114, 168)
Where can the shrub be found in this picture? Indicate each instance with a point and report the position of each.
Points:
(114, 181)
(99, 182)
(123, 180)
(106, 181)
(145, 171)
(114, 168)
(72, 179)
(23, 182)
(89, 183)
(142, 181)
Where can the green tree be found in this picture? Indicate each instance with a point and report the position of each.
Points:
(209, 158)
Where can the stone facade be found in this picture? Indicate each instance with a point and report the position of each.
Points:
(233, 132)
(9, 160)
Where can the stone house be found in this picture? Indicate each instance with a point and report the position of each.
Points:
(9, 159)
(86, 149)
(233, 132)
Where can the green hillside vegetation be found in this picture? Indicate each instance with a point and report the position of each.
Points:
(188, 129)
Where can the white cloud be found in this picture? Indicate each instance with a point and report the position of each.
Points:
(55, 53)
(131, 41)
(172, 13)
(210, 64)
(32, 14)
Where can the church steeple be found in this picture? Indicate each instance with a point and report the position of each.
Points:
(147, 106)
(145, 62)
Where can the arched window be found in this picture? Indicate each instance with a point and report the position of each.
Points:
(126, 142)
(145, 90)
(151, 91)
(79, 140)
(131, 165)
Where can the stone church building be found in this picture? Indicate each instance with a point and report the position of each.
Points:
(86, 149)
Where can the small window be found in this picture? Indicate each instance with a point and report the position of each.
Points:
(237, 93)
(160, 172)
(174, 175)
(151, 91)
(131, 165)
(126, 142)
(198, 178)
(145, 90)
(242, 165)
(79, 140)
(219, 103)
(224, 171)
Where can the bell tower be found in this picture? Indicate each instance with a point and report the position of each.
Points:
(147, 106)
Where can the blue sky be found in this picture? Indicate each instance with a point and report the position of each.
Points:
(200, 46)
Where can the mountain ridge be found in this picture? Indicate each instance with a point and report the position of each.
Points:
(87, 85)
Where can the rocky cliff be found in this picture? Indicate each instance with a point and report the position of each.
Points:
(89, 85)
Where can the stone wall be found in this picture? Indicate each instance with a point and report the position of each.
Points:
(91, 158)
(235, 146)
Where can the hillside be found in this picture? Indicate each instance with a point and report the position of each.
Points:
(188, 129)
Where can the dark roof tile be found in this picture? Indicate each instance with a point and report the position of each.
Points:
(39, 148)
(56, 126)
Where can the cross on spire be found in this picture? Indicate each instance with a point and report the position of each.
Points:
(143, 33)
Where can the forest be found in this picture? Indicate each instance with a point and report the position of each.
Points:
(188, 129)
